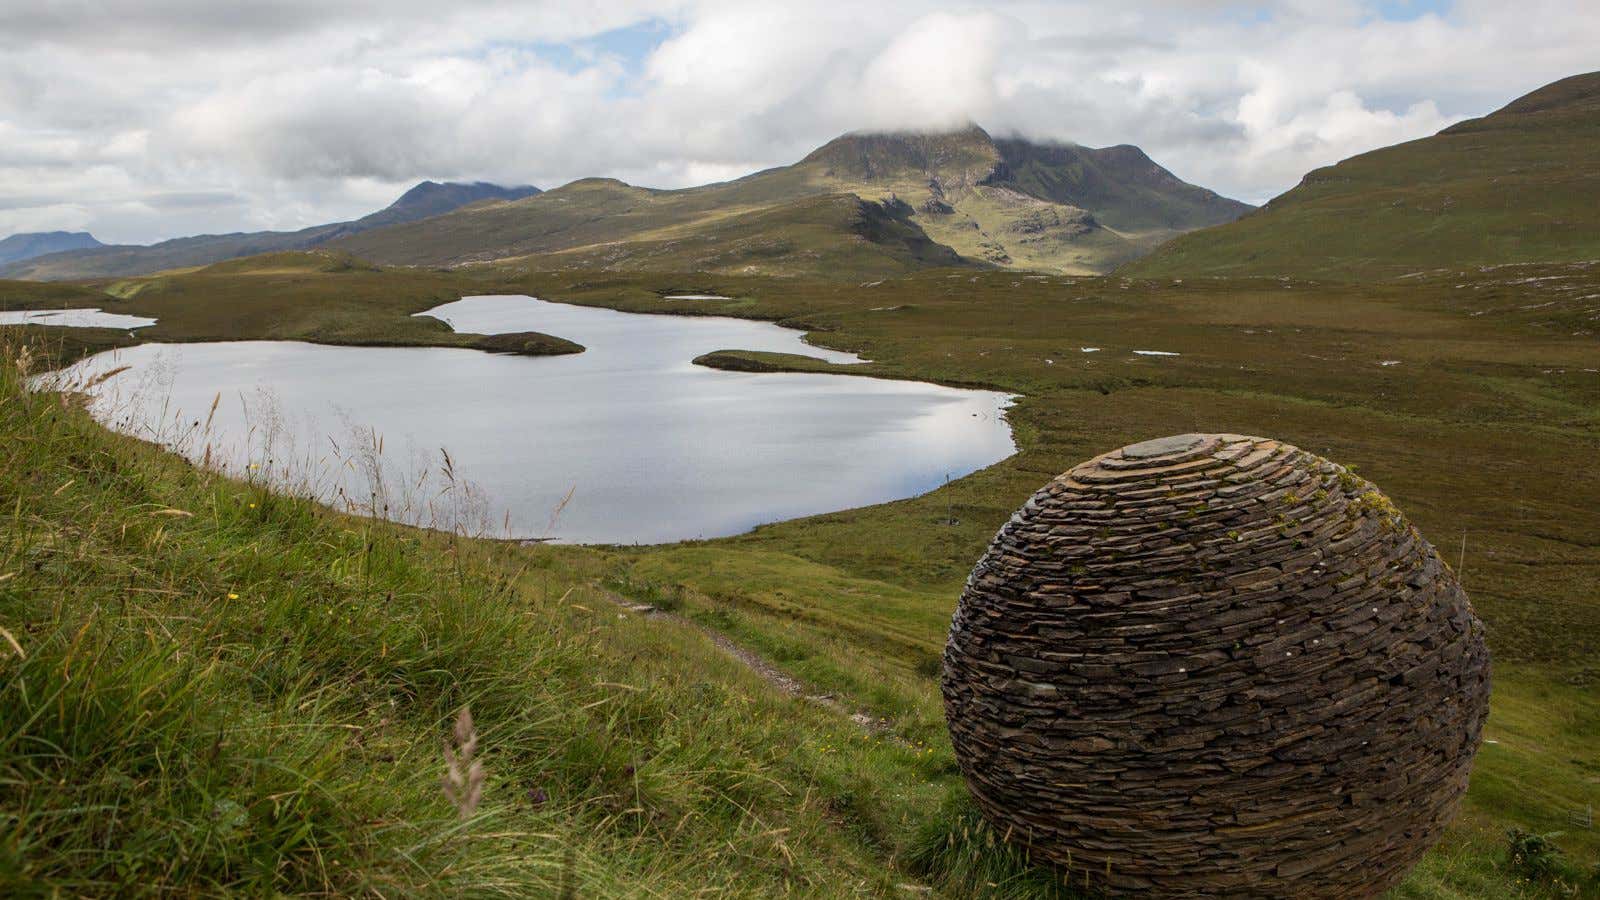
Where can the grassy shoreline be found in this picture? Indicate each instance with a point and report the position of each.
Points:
(211, 687)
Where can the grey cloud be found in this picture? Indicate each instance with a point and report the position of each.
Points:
(149, 120)
(179, 200)
(156, 25)
(1105, 45)
(25, 201)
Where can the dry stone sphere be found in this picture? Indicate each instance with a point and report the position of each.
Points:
(1213, 665)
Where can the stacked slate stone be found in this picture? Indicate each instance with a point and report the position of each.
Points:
(1216, 666)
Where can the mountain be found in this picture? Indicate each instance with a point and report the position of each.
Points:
(1015, 202)
(862, 204)
(1519, 185)
(432, 198)
(29, 244)
(1124, 187)
(426, 199)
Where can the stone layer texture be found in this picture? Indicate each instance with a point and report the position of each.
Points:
(1214, 665)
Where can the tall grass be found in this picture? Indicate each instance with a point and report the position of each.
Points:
(257, 440)
(958, 849)
(210, 687)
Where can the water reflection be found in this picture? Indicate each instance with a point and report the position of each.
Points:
(649, 447)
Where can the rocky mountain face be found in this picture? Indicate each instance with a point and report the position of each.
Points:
(1520, 185)
(1016, 202)
(1126, 189)
(953, 161)
(29, 244)
(1010, 203)
(95, 260)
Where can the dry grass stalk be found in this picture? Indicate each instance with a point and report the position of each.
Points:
(555, 514)
(16, 647)
(103, 377)
(463, 777)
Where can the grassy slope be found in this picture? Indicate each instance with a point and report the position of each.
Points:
(826, 233)
(214, 688)
(1008, 228)
(1516, 186)
(50, 295)
(1477, 430)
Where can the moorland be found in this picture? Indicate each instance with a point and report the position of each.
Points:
(213, 686)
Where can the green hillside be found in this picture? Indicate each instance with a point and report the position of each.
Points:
(1519, 185)
(826, 233)
(1007, 203)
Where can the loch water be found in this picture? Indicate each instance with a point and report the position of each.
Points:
(626, 442)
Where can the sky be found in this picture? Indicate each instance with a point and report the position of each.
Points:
(141, 120)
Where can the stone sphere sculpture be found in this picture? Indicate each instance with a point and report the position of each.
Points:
(1216, 665)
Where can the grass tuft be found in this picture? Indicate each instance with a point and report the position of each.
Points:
(958, 849)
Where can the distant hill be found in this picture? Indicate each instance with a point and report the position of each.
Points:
(1519, 185)
(432, 198)
(862, 204)
(30, 244)
(101, 261)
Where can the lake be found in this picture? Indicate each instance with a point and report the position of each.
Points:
(626, 442)
(73, 318)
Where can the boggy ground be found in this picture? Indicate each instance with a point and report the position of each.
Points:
(1483, 427)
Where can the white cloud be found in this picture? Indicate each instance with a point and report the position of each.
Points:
(146, 119)
(939, 73)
